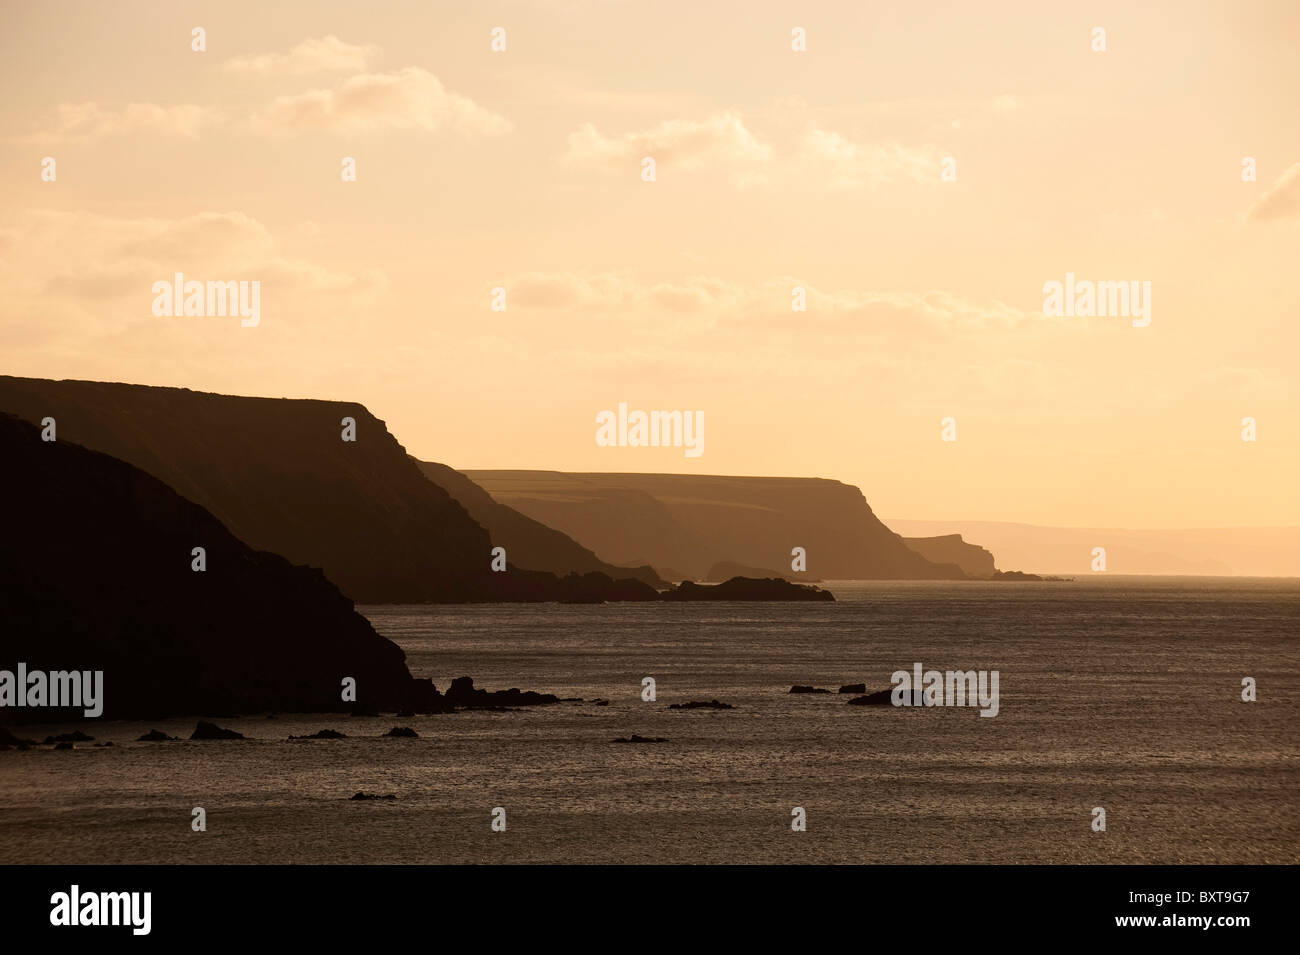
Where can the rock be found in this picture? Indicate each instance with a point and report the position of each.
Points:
(9, 739)
(747, 588)
(155, 736)
(463, 693)
(1015, 575)
(206, 730)
(641, 739)
(726, 569)
(800, 688)
(885, 698)
(361, 795)
(76, 736)
(853, 688)
(105, 743)
(697, 705)
(403, 731)
(325, 734)
(600, 702)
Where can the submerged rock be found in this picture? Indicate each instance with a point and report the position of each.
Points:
(155, 736)
(885, 698)
(9, 739)
(853, 688)
(403, 731)
(698, 705)
(323, 734)
(76, 736)
(641, 739)
(362, 795)
(801, 688)
(206, 730)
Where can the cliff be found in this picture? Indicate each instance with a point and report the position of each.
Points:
(951, 549)
(277, 473)
(96, 574)
(528, 543)
(691, 522)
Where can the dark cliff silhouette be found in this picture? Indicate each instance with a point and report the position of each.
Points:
(96, 574)
(277, 473)
(690, 522)
(951, 549)
(528, 543)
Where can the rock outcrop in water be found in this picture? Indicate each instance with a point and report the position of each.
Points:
(96, 573)
(885, 698)
(702, 705)
(726, 569)
(747, 588)
(463, 693)
(206, 730)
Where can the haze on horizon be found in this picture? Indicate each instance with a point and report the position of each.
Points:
(775, 169)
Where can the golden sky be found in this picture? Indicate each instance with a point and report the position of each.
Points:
(775, 169)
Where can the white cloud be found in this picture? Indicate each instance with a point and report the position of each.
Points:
(721, 140)
(313, 55)
(410, 98)
(94, 270)
(721, 300)
(850, 165)
(1281, 201)
(83, 122)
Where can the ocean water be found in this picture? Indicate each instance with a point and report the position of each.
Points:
(1118, 693)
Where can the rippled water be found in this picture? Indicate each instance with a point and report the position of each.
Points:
(1123, 694)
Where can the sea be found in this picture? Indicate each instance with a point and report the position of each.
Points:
(1122, 695)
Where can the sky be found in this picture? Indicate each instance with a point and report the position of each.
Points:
(920, 170)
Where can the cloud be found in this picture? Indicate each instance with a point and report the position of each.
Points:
(1248, 384)
(850, 165)
(721, 140)
(314, 55)
(83, 122)
(1281, 201)
(98, 271)
(411, 98)
(767, 303)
